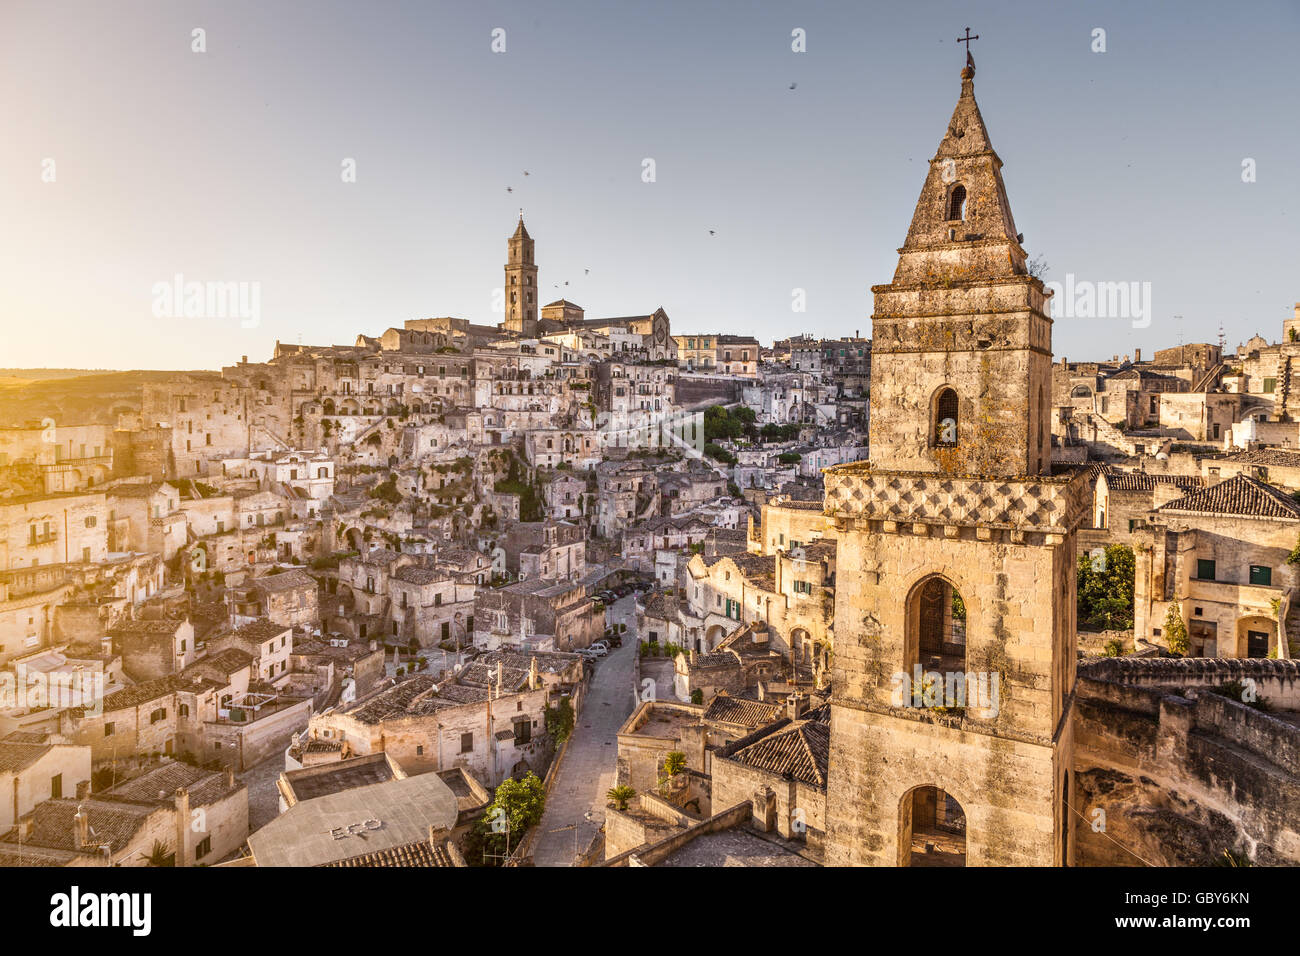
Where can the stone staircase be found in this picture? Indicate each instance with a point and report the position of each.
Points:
(1210, 379)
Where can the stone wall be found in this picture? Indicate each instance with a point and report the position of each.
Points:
(1178, 779)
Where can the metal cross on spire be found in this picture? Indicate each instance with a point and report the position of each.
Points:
(967, 38)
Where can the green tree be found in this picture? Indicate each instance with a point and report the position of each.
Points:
(559, 721)
(517, 806)
(1105, 588)
(1175, 629)
(718, 453)
(674, 763)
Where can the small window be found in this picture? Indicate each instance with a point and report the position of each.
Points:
(945, 419)
(466, 743)
(109, 728)
(56, 786)
(1205, 569)
(957, 204)
(203, 848)
(1261, 575)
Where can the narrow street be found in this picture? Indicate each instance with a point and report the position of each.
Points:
(578, 798)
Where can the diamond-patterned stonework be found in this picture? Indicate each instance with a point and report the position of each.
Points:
(1033, 503)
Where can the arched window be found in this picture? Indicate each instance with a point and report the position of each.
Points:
(936, 639)
(932, 829)
(957, 203)
(945, 419)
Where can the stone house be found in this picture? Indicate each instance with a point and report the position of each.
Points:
(200, 817)
(37, 767)
(154, 648)
(491, 719)
(787, 758)
(537, 614)
(54, 529)
(1221, 554)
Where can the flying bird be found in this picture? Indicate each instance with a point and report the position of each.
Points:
(793, 85)
(525, 172)
(712, 233)
(586, 272)
(510, 189)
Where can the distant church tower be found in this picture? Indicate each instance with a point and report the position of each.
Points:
(521, 283)
(956, 550)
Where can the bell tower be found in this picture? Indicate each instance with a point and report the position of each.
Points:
(961, 347)
(521, 283)
(951, 740)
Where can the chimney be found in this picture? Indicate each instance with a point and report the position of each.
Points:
(25, 829)
(1137, 356)
(374, 645)
(695, 655)
(243, 360)
(83, 789)
(1064, 361)
(82, 823)
(230, 778)
(532, 673)
(182, 826)
(796, 705)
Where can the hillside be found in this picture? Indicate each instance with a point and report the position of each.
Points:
(73, 396)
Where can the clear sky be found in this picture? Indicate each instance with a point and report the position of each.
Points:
(226, 165)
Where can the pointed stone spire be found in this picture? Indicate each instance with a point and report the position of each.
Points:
(963, 206)
(961, 339)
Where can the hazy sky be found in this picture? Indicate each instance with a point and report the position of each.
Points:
(226, 165)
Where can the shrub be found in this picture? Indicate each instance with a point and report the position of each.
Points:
(620, 795)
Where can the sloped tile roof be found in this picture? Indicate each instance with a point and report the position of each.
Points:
(1240, 495)
(421, 853)
(738, 710)
(111, 822)
(1140, 481)
(17, 756)
(800, 750)
(1265, 456)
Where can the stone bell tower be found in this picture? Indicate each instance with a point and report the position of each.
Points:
(955, 601)
(521, 283)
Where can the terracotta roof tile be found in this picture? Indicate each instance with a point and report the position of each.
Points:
(799, 750)
(1240, 495)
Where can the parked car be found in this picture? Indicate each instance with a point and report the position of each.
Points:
(600, 650)
(589, 654)
(613, 640)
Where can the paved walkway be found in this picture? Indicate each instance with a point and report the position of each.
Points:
(578, 797)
